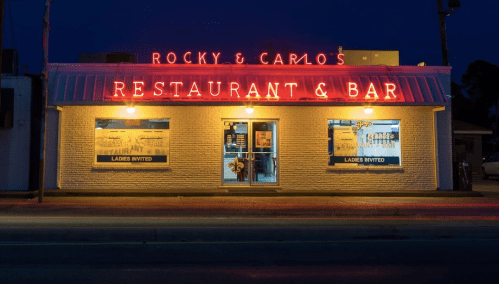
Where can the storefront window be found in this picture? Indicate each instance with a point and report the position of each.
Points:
(364, 142)
(132, 141)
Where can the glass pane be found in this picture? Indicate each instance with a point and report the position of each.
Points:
(364, 142)
(264, 152)
(265, 168)
(236, 169)
(132, 141)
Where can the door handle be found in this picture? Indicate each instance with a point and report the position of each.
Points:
(253, 156)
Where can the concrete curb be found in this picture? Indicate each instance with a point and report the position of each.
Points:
(267, 193)
(19, 194)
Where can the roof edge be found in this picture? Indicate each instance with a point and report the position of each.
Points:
(142, 66)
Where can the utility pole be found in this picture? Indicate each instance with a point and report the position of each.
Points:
(46, 28)
(443, 34)
(2, 6)
(452, 5)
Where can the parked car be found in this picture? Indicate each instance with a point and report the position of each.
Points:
(491, 167)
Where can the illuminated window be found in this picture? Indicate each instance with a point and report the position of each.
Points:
(364, 142)
(132, 141)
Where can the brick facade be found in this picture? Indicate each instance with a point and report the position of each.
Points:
(196, 149)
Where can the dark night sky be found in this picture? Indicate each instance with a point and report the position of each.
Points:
(142, 27)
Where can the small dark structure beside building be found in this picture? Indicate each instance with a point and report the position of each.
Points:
(468, 144)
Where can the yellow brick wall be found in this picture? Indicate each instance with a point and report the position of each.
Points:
(196, 149)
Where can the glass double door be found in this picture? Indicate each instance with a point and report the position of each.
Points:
(250, 152)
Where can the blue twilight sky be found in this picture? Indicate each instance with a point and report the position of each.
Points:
(142, 27)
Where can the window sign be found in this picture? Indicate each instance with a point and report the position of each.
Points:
(263, 139)
(132, 141)
(364, 142)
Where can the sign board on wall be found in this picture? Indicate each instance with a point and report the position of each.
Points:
(364, 142)
(277, 88)
(132, 141)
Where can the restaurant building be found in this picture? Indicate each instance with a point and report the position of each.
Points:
(188, 123)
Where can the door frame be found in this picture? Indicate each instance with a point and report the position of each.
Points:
(250, 150)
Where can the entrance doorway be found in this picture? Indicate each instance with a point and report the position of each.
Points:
(250, 154)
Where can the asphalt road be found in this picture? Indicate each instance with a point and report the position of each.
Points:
(283, 252)
(443, 260)
(251, 240)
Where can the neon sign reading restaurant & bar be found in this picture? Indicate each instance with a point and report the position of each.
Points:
(279, 86)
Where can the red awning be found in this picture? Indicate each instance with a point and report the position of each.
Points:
(328, 84)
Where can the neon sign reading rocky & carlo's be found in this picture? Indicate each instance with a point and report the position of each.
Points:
(277, 87)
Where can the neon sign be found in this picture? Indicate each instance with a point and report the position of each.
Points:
(204, 58)
(212, 90)
(235, 83)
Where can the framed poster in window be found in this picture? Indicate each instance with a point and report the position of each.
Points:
(364, 142)
(132, 142)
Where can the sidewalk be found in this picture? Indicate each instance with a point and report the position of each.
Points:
(174, 218)
(254, 206)
(362, 204)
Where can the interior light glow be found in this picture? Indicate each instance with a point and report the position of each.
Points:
(368, 110)
(130, 110)
(249, 109)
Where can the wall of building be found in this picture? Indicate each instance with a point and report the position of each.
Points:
(444, 147)
(196, 149)
(15, 141)
(52, 149)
